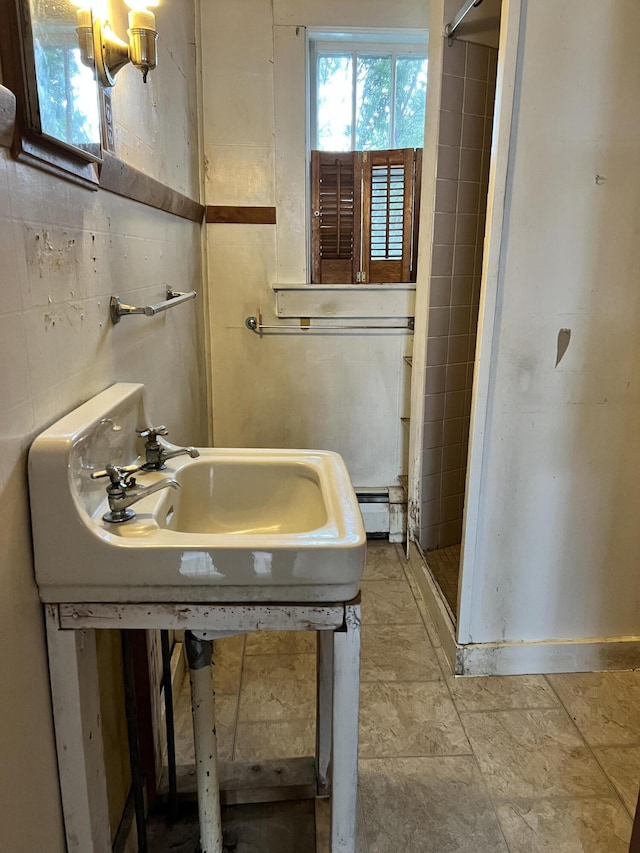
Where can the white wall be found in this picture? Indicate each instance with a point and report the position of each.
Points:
(558, 543)
(346, 391)
(63, 251)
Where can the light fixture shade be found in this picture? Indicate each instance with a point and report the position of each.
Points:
(85, 43)
(112, 53)
(143, 51)
(141, 5)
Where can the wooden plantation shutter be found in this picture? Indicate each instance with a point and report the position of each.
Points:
(364, 223)
(387, 229)
(336, 216)
(417, 193)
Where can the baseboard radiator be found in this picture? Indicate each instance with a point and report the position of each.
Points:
(384, 511)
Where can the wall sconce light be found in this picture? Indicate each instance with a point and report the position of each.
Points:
(97, 39)
(84, 31)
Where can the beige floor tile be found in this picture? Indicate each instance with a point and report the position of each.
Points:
(280, 642)
(604, 705)
(227, 657)
(533, 754)
(427, 805)
(289, 739)
(388, 603)
(226, 712)
(397, 653)
(622, 766)
(277, 827)
(323, 827)
(409, 719)
(277, 687)
(498, 693)
(382, 562)
(565, 826)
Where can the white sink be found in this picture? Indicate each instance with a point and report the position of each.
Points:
(246, 525)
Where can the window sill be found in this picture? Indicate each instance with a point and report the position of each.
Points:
(345, 300)
(329, 288)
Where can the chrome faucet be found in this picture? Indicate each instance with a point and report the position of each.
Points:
(156, 454)
(123, 491)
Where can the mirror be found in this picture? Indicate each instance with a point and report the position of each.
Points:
(68, 95)
(58, 124)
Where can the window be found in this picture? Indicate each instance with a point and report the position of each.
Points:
(367, 130)
(367, 95)
(67, 95)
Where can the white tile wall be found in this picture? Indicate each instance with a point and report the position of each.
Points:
(63, 251)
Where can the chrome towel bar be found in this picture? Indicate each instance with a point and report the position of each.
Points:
(174, 298)
(255, 324)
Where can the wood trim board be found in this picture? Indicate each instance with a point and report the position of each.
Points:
(113, 174)
(228, 617)
(118, 177)
(235, 214)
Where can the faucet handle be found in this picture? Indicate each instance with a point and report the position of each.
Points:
(120, 475)
(152, 432)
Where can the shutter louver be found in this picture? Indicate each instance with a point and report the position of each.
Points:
(388, 178)
(336, 220)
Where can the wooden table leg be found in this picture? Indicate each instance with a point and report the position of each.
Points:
(324, 706)
(75, 693)
(346, 701)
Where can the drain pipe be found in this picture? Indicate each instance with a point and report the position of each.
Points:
(200, 654)
(131, 711)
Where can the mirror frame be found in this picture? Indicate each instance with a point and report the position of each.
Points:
(19, 75)
(34, 149)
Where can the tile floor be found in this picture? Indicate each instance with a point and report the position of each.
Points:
(526, 764)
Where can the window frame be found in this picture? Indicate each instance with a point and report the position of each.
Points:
(397, 44)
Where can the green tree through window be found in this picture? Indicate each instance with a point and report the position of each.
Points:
(369, 101)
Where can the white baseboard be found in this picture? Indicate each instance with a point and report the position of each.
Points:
(511, 658)
(547, 657)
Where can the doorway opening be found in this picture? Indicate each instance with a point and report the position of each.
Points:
(469, 72)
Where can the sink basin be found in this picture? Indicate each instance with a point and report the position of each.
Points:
(238, 493)
(246, 524)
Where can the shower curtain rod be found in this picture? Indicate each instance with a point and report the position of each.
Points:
(450, 28)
